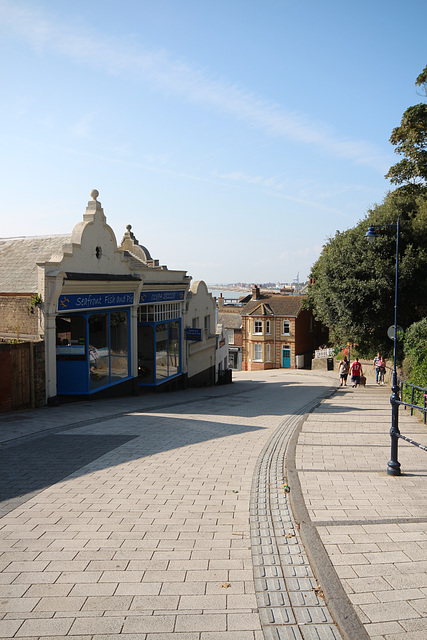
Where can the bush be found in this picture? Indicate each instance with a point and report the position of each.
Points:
(415, 351)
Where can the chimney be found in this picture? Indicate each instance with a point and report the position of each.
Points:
(255, 292)
(220, 301)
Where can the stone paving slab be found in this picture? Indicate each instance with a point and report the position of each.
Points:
(373, 526)
(180, 524)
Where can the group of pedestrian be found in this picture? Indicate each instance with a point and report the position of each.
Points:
(355, 370)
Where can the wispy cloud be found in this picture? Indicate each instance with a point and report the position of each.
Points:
(241, 177)
(177, 77)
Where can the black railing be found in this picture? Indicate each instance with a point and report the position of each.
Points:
(417, 395)
(400, 398)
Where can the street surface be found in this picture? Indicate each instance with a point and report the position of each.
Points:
(137, 524)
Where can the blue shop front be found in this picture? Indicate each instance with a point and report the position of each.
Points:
(160, 336)
(93, 338)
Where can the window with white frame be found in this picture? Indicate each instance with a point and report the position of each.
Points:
(258, 326)
(286, 327)
(230, 334)
(159, 312)
(258, 352)
(267, 327)
(268, 352)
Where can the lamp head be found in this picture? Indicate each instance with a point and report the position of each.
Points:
(370, 235)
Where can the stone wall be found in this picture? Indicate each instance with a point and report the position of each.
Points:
(16, 320)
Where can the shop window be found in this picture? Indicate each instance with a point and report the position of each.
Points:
(173, 348)
(99, 351)
(146, 354)
(119, 339)
(71, 337)
(161, 351)
(92, 351)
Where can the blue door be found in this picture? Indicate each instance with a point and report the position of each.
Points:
(286, 358)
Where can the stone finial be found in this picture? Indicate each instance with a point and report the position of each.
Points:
(94, 194)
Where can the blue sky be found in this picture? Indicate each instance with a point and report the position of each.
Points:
(235, 136)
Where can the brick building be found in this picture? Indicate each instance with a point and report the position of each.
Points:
(276, 329)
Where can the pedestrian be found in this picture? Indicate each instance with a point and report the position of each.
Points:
(381, 374)
(344, 369)
(356, 372)
(377, 361)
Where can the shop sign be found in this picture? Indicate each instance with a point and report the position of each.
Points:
(193, 334)
(73, 302)
(161, 296)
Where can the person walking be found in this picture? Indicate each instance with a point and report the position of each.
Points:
(377, 361)
(344, 369)
(356, 371)
(381, 371)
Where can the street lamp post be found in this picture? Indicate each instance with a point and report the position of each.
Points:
(393, 466)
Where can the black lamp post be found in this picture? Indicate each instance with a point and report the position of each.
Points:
(393, 466)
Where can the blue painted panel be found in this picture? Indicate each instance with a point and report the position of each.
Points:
(71, 377)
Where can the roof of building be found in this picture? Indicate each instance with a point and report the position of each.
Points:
(230, 320)
(276, 304)
(19, 257)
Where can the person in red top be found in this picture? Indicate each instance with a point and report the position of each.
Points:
(356, 372)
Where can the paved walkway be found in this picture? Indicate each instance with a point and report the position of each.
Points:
(141, 517)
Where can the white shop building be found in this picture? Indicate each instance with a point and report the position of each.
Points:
(110, 315)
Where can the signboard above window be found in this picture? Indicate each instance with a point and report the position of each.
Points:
(161, 296)
(73, 302)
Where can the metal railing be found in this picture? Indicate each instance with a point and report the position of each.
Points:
(400, 399)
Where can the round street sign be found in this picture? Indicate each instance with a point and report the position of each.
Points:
(390, 332)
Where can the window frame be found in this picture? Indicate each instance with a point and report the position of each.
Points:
(257, 325)
(257, 348)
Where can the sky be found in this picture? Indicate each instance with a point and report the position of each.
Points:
(235, 136)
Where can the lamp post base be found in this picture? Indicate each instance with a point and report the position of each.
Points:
(393, 468)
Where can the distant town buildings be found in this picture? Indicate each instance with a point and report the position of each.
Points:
(270, 330)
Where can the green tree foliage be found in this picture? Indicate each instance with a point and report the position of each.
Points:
(415, 362)
(410, 141)
(352, 290)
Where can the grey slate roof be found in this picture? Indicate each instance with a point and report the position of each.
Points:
(230, 320)
(19, 257)
(280, 305)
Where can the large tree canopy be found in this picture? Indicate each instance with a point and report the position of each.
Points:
(352, 290)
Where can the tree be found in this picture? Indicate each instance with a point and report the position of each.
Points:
(352, 290)
(410, 141)
(415, 362)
